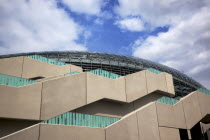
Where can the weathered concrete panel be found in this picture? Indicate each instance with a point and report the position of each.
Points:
(31, 68)
(136, 86)
(30, 133)
(64, 132)
(125, 129)
(11, 66)
(99, 87)
(204, 102)
(20, 102)
(169, 133)
(170, 83)
(191, 109)
(179, 116)
(62, 95)
(166, 115)
(148, 123)
(156, 82)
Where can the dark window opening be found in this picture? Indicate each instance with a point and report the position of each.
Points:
(37, 78)
(183, 134)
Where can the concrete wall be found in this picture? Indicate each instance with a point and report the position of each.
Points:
(20, 103)
(31, 68)
(62, 132)
(166, 115)
(30, 133)
(191, 109)
(8, 126)
(11, 66)
(107, 108)
(136, 86)
(169, 133)
(204, 103)
(125, 129)
(99, 87)
(148, 122)
(62, 95)
(171, 116)
(156, 82)
(74, 68)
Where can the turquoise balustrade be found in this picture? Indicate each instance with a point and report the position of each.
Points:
(154, 70)
(167, 100)
(105, 73)
(46, 60)
(72, 73)
(204, 91)
(78, 119)
(15, 81)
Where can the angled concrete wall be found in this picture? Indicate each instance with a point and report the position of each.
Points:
(30, 133)
(179, 116)
(156, 82)
(62, 95)
(204, 103)
(191, 109)
(62, 132)
(11, 66)
(20, 102)
(169, 133)
(136, 85)
(125, 129)
(99, 87)
(171, 115)
(74, 68)
(166, 115)
(107, 108)
(31, 68)
(148, 122)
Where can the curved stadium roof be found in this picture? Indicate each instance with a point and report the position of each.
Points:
(118, 64)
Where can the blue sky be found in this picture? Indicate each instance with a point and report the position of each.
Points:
(175, 33)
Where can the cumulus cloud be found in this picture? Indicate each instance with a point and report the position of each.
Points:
(91, 7)
(131, 24)
(185, 46)
(36, 25)
(160, 12)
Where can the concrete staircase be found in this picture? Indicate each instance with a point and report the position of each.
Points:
(58, 93)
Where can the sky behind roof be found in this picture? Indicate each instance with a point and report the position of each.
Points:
(175, 33)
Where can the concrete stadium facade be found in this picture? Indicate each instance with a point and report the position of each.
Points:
(42, 98)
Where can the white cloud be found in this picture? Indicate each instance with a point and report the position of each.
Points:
(184, 47)
(36, 25)
(91, 7)
(131, 24)
(160, 12)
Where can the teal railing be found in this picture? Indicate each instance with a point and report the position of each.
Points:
(204, 91)
(72, 73)
(15, 81)
(78, 119)
(167, 100)
(105, 73)
(154, 70)
(46, 60)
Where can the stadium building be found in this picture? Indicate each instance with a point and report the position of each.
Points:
(98, 96)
